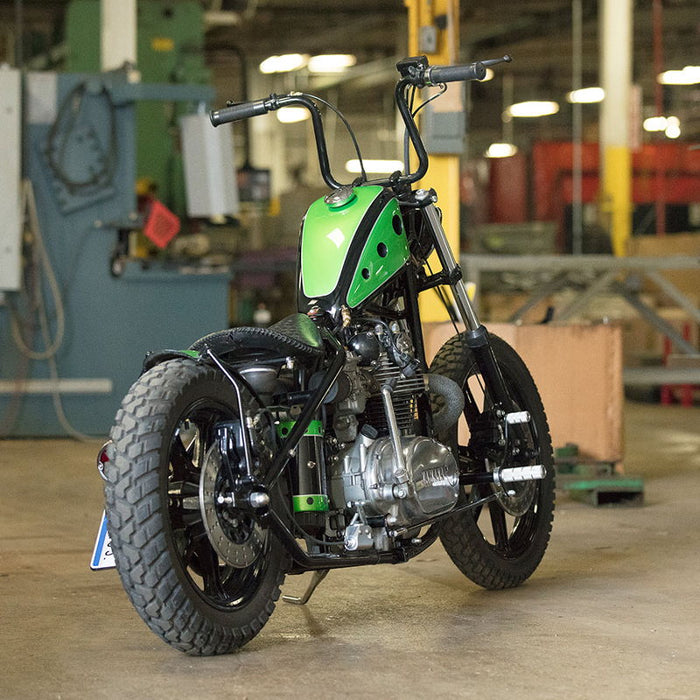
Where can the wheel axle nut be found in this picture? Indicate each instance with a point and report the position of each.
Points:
(259, 499)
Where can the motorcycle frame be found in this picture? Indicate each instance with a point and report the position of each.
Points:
(476, 337)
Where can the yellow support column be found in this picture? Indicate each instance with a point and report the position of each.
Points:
(615, 122)
(433, 30)
(617, 196)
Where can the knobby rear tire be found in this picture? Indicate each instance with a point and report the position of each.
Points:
(180, 587)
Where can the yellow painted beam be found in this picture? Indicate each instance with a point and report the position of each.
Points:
(443, 174)
(617, 196)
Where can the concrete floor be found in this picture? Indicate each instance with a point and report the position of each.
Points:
(612, 612)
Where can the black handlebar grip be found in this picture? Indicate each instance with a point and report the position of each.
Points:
(235, 113)
(451, 74)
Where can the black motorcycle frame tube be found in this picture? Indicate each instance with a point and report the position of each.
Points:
(302, 561)
(307, 414)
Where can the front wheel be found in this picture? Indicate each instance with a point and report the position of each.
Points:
(164, 478)
(499, 543)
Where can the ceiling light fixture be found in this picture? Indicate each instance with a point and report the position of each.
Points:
(588, 95)
(292, 115)
(671, 126)
(374, 166)
(284, 64)
(533, 108)
(690, 75)
(501, 150)
(331, 62)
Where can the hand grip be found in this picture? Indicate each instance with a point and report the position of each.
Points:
(235, 113)
(451, 74)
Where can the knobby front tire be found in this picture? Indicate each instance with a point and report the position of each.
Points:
(500, 544)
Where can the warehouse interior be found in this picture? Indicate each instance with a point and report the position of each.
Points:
(132, 225)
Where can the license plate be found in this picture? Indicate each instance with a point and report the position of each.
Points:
(102, 557)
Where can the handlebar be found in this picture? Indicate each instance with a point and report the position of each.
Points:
(415, 73)
(450, 74)
(237, 112)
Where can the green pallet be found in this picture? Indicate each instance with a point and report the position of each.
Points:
(607, 491)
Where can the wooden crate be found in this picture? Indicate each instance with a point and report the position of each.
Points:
(578, 371)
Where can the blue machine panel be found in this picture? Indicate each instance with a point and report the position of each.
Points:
(79, 155)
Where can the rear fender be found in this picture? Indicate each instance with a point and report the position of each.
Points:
(155, 358)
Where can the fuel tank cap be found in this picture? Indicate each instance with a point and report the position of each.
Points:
(340, 197)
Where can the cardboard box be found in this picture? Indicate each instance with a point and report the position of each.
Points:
(578, 371)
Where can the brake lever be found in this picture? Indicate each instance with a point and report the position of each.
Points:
(495, 61)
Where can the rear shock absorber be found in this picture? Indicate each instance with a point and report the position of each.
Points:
(309, 497)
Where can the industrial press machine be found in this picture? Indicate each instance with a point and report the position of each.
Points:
(83, 294)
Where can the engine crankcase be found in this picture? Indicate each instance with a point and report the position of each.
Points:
(429, 488)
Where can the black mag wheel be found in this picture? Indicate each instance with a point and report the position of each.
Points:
(163, 477)
(500, 543)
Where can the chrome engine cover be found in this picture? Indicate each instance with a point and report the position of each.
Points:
(366, 475)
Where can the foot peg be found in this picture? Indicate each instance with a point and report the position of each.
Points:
(518, 417)
(316, 578)
(508, 475)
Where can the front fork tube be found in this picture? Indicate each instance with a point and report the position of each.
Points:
(450, 267)
(477, 337)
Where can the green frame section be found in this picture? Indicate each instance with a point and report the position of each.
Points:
(310, 503)
(315, 428)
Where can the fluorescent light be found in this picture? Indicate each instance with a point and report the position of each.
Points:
(501, 150)
(374, 166)
(284, 64)
(291, 115)
(331, 62)
(659, 123)
(533, 108)
(587, 95)
(671, 126)
(690, 75)
(654, 124)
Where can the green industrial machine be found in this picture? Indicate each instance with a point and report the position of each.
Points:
(170, 36)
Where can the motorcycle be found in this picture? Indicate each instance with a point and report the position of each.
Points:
(326, 441)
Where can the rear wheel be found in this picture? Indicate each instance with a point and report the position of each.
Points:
(164, 479)
(500, 543)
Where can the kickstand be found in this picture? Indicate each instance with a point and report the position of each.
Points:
(316, 578)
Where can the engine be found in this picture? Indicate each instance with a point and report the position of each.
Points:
(387, 477)
(368, 469)
(370, 480)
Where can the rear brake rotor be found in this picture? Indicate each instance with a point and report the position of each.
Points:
(235, 536)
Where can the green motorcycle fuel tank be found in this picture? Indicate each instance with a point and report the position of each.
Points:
(352, 243)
